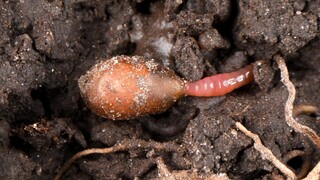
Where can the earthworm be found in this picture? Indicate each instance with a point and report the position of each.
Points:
(125, 87)
(221, 84)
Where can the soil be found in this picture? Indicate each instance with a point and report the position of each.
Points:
(45, 46)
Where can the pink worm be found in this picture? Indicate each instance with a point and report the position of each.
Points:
(221, 84)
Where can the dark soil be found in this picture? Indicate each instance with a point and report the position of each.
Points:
(45, 46)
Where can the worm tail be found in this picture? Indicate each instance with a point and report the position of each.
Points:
(221, 84)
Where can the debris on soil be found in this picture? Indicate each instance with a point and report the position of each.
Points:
(44, 135)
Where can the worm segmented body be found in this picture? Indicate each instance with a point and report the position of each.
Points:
(221, 84)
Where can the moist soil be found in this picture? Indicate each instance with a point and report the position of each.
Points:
(45, 46)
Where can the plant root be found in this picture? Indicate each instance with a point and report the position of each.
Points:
(122, 146)
(266, 153)
(305, 167)
(314, 174)
(289, 104)
(305, 110)
(290, 113)
(164, 173)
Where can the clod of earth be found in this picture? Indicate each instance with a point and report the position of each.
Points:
(125, 87)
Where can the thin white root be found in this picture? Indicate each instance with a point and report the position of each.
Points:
(289, 104)
(266, 153)
(122, 146)
(304, 109)
(86, 152)
(164, 173)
